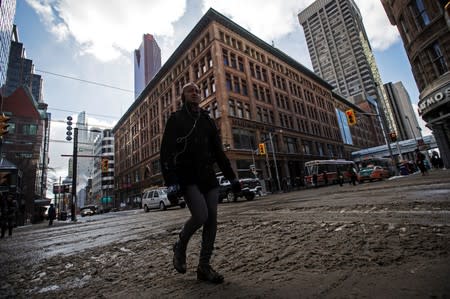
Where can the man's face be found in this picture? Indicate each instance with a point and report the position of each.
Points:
(192, 94)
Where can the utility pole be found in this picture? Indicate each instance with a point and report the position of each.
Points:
(74, 174)
(43, 168)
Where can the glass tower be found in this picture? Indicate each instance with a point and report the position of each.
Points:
(147, 62)
(7, 12)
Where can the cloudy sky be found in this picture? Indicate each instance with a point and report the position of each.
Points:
(94, 41)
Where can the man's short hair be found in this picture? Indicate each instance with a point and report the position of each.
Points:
(182, 90)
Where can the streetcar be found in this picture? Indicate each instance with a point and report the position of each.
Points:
(326, 172)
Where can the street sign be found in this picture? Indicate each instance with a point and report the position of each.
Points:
(253, 169)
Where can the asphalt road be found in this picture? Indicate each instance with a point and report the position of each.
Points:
(388, 239)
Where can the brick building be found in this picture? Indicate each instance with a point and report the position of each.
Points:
(26, 145)
(253, 91)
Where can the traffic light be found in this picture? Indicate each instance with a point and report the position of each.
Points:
(104, 165)
(69, 128)
(262, 148)
(351, 118)
(393, 136)
(4, 124)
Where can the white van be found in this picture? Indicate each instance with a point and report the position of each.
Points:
(156, 198)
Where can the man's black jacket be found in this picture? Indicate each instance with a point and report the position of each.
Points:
(189, 148)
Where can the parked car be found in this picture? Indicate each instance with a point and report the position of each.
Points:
(253, 184)
(86, 211)
(371, 173)
(248, 189)
(156, 198)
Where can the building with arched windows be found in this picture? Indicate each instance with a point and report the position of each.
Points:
(426, 38)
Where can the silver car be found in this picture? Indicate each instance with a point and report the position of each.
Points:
(156, 198)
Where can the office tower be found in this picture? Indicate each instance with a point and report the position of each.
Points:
(407, 126)
(147, 62)
(103, 181)
(426, 38)
(7, 12)
(21, 70)
(341, 53)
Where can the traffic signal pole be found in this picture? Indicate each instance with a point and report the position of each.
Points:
(74, 174)
(274, 161)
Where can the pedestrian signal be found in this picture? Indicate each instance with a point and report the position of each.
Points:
(4, 124)
(393, 136)
(262, 148)
(351, 118)
(104, 165)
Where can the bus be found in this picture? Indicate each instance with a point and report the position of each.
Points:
(325, 172)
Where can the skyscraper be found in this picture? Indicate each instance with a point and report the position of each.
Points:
(147, 62)
(21, 70)
(406, 123)
(86, 138)
(7, 12)
(341, 54)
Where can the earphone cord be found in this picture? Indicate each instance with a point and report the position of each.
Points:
(185, 138)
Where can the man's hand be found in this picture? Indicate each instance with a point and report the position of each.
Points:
(236, 186)
(173, 191)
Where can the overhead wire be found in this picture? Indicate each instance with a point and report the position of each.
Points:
(85, 81)
(93, 114)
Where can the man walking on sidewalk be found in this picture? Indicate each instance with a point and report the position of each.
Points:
(51, 214)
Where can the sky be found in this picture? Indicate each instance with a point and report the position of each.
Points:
(94, 41)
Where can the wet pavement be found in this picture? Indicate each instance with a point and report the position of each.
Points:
(388, 239)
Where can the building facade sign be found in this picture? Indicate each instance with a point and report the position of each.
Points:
(435, 99)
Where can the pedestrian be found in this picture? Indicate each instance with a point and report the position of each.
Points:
(314, 180)
(284, 185)
(435, 160)
(51, 214)
(340, 177)
(353, 175)
(190, 147)
(8, 214)
(325, 177)
(420, 161)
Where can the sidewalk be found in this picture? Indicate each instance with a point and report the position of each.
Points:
(43, 224)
